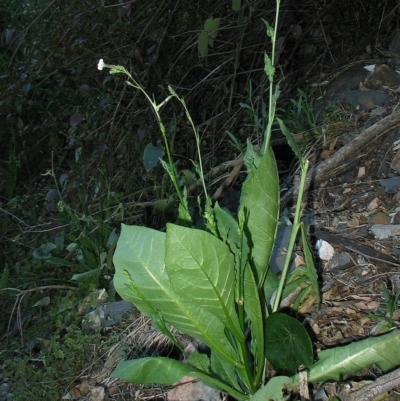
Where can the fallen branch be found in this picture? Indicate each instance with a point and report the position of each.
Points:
(324, 170)
(380, 386)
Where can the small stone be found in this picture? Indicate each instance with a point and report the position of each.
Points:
(325, 250)
(383, 76)
(379, 218)
(396, 218)
(341, 261)
(374, 204)
(383, 231)
(361, 172)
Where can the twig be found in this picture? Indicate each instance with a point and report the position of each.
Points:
(380, 386)
(323, 171)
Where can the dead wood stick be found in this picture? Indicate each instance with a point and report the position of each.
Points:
(323, 170)
(379, 386)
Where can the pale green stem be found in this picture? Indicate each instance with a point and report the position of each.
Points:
(272, 101)
(295, 229)
(118, 69)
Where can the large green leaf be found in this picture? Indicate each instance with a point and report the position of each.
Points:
(151, 370)
(167, 371)
(287, 344)
(260, 204)
(140, 254)
(340, 363)
(201, 270)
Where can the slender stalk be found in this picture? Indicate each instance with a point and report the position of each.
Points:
(296, 226)
(197, 137)
(272, 97)
(116, 69)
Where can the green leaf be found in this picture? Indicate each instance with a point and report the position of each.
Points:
(202, 43)
(339, 363)
(224, 370)
(268, 67)
(151, 155)
(140, 253)
(290, 139)
(42, 302)
(211, 27)
(273, 390)
(200, 361)
(260, 204)
(53, 260)
(236, 5)
(151, 370)
(59, 241)
(88, 279)
(310, 265)
(287, 344)
(167, 371)
(252, 307)
(44, 251)
(201, 270)
(227, 227)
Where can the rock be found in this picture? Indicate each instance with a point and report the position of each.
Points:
(383, 231)
(383, 76)
(325, 250)
(341, 261)
(365, 100)
(379, 218)
(391, 185)
(395, 50)
(191, 389)
(396, 218)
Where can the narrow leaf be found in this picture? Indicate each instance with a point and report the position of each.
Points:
(310, 265)
(252, 307)
(290, 139)
(201, 270)
(224, 370)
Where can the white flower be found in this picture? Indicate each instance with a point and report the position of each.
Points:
(101, 64)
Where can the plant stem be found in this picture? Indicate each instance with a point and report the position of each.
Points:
(115, 69)
(295, 229)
